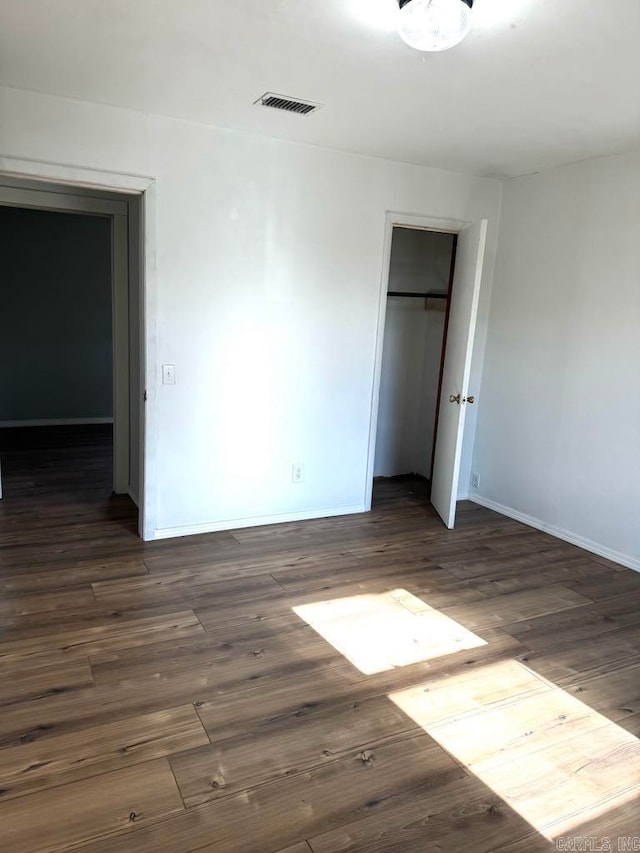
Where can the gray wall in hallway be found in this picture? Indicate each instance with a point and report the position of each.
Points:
(55, 316)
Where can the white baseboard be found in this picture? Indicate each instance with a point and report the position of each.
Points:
(463, 496)
(257, 521)
(55, 422)
(559, 533)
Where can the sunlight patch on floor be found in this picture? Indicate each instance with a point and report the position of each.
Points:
(382, 631)
(554, 760)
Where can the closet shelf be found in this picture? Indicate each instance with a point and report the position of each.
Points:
(418, 295)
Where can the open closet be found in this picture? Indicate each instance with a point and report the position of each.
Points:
(417, 313)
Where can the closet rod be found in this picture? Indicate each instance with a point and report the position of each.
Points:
(418, 295)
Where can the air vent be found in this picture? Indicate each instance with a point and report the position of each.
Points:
(289, 105)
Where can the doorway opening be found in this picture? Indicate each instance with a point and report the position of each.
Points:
(421, 267)
(71, 343)
(426, 329)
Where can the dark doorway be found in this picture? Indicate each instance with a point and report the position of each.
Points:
(56, 357)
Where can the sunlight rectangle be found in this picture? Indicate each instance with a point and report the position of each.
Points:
(382, 631)
(554, 760)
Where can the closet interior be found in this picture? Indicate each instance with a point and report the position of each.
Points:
(419, 285)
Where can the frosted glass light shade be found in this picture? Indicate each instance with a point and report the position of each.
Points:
(434, 24)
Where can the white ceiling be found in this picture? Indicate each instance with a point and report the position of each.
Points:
(536, 84)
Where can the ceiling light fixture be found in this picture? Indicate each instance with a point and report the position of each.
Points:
(434, 24)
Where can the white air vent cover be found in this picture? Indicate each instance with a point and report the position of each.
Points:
(289, 105)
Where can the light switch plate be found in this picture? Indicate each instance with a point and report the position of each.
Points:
(168, 374)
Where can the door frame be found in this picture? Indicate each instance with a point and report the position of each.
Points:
(144, 188)
(392, 220)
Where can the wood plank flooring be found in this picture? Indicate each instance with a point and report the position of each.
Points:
(168, 697)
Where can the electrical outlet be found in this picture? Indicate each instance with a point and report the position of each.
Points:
(475, 480)
(297, 473)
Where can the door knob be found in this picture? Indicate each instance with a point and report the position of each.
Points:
(455, 398)
(469, 400)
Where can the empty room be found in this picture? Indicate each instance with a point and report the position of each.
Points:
(319, 426)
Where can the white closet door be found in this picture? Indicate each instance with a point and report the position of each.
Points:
(457, 367)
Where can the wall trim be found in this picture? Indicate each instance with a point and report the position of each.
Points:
(559, 533)
(69, 174)
(55, 422)
(256, 521)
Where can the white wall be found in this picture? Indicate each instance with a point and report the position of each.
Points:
(420, 262)
(558, 436)
(268, 265)
(55, 317)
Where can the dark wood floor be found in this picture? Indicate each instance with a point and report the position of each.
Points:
(167, 697)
